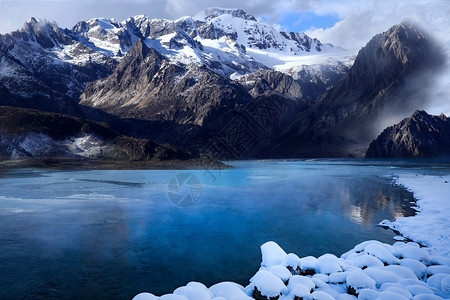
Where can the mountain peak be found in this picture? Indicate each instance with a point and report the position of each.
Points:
(421, 135)
(214, 12)
(43, 32)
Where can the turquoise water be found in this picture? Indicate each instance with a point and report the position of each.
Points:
(113, 234)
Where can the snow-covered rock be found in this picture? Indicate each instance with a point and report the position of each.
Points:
(229, 291)
(336, 278)
(301, 280)
(281, 272)
(47, 62)
(272, 254)
(266, 284)
(194, 292)
(328, 263)
(145, 296)
(358, 280)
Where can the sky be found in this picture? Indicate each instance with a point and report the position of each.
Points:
(346, 23)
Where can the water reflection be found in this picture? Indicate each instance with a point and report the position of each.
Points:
(113, 234)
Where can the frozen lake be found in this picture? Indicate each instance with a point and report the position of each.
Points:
(113, 234)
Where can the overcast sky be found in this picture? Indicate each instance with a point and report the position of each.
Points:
(346, 23)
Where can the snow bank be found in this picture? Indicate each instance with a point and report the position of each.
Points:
(272, 254)
(430, 226)
(371, 270)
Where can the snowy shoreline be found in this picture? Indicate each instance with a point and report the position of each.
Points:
(431, 225)
(371, 270)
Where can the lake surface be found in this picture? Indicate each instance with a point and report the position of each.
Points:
(113, 234)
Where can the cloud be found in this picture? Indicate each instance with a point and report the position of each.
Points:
(360, 20)
(364, 19)
(13, 13)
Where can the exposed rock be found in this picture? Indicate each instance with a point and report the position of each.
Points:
(214, 12)
(381, 84)
(420, 135)
(146, 86)
(26, 133)
(246, 30)
(303, 82)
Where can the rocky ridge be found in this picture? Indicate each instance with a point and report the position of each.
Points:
(420, 135)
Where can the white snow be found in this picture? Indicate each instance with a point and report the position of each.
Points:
(288, 63)
(229, 291)
(291, 260)
(431, 226)
(145, 296)
(281, 272)
(416, 266)
(86, 145)
(328, 263)
(301, 280)
(380, 252)
(268, 284)
(299, 290)
(365, 260)
(417, 289)
(337, 278)
(360, 280)
(194, 292)
(172, 297)
(308, 263)
(272, 254)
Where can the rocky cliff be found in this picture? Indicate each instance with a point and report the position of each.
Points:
(420, 135)
(384, 83)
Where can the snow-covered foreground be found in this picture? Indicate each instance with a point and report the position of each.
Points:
(371, 270)
(431, 225)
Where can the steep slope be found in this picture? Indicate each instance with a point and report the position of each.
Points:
(147, 86)
(302, 82)
(45, 67)
(386, 81)
(420, 135)
(31, 134)
(35, 70)
(246, 30)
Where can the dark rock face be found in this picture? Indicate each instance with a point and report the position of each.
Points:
(267, 82)
(214, 12)
(26, 133)
(305, 84)
(191, 101)
(146, 86)
(420, 135)
(248, 131)
(379, 85)
(34, 76)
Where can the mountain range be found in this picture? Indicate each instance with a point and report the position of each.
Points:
(222, 83)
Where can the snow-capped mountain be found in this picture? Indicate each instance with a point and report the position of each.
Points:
(219, 76)
(228, 41)
(49, 64)
(248, 31)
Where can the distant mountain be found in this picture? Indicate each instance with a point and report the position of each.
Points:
(44, 66)
(420, 135)
(385, 82)
(246, 30)
(145, 85)
(223, 82)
